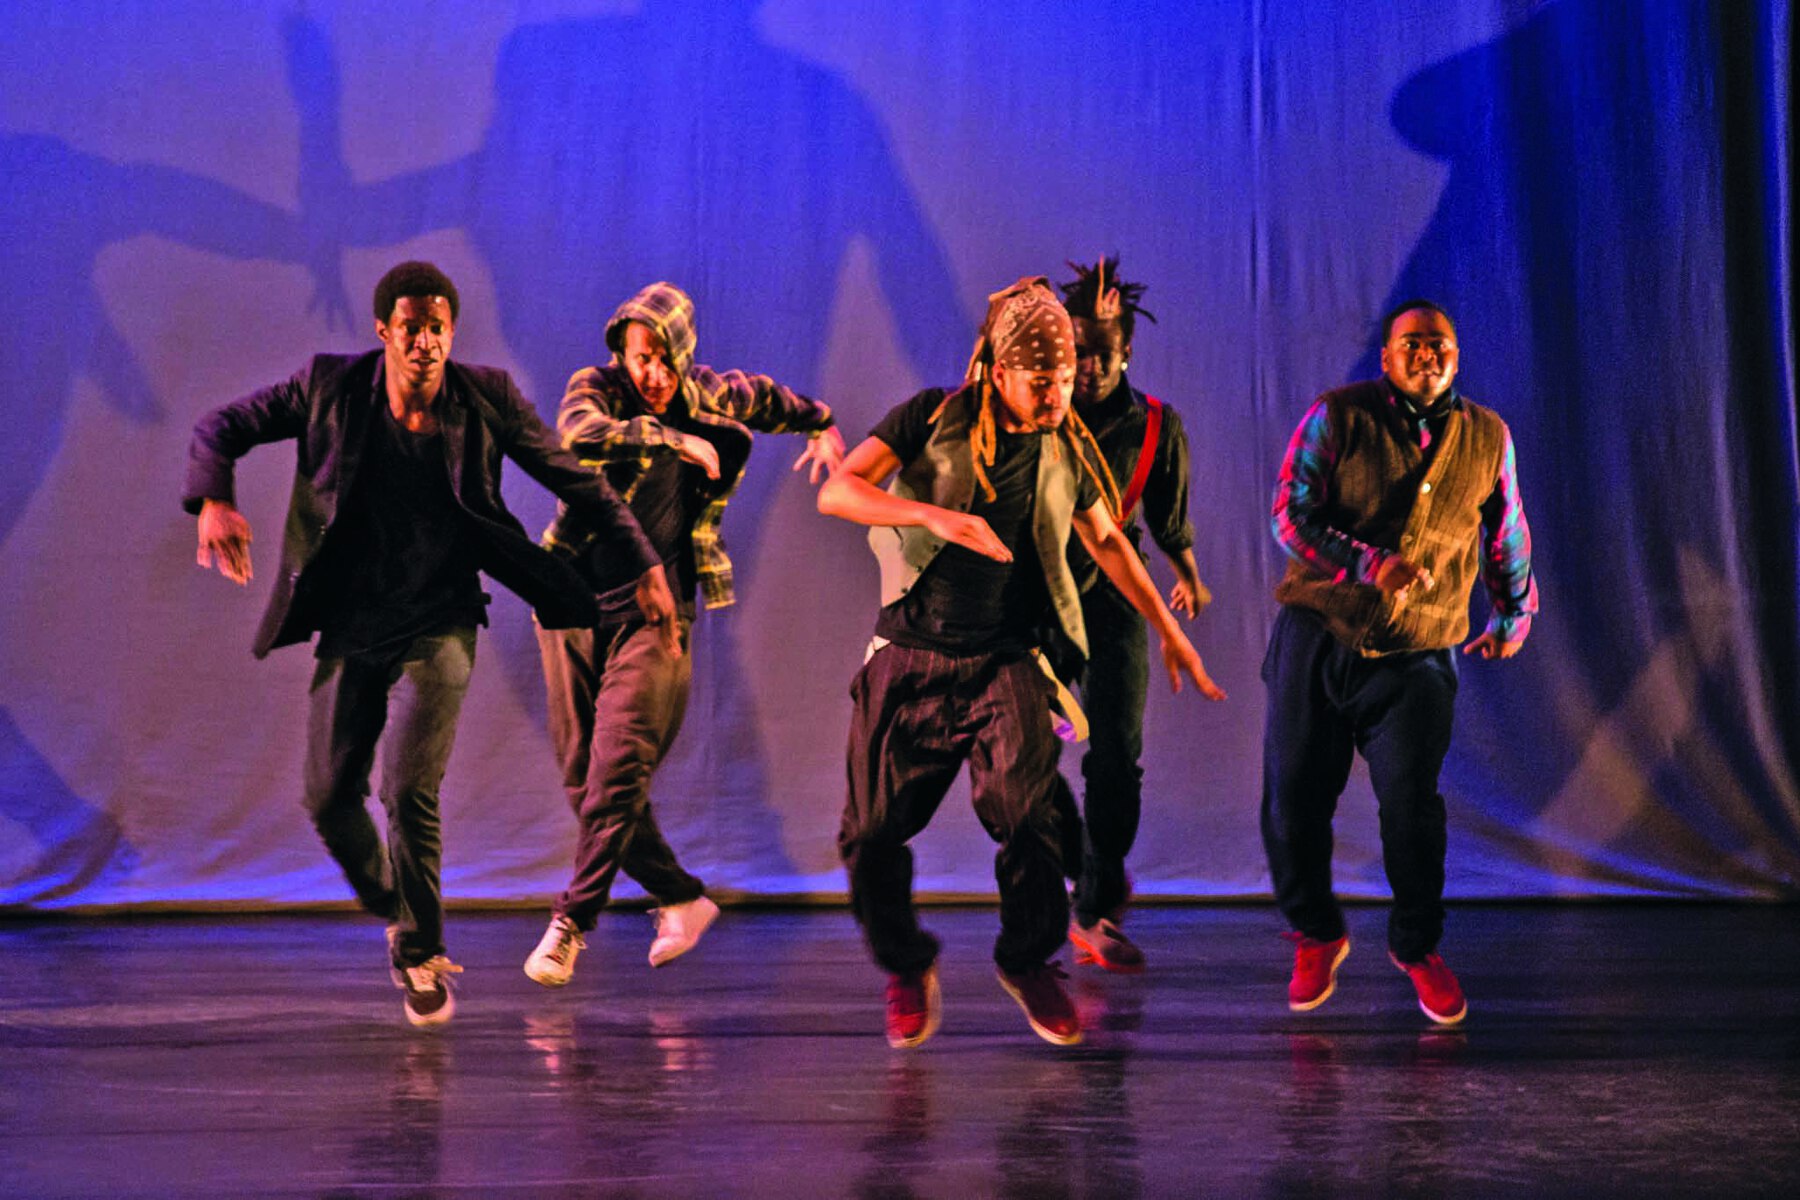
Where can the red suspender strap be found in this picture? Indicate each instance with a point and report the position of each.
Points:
(1146, 456)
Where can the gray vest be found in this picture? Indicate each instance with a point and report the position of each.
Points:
(944, 475)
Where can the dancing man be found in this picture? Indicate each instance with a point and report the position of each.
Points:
(1394, 494)
(1147, 451)
(673, 437)
(396, 506)
(972, 539)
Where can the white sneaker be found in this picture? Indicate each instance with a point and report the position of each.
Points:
(678, 929)
(553, 962)
(427, 987)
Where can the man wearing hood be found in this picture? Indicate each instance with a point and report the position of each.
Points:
(1394, 495)
(396, 505)
(972, 540)
(673, 437)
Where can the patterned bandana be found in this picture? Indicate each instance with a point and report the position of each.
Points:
(1027, 329)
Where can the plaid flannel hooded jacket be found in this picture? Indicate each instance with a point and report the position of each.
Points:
(602, 421)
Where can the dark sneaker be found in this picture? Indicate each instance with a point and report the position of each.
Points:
(1440, 996)
(914, 1008)
(1047, 1006)
(678, 928)
(1105, 945)
(427, 988)
(1315, 970)
(553, 962)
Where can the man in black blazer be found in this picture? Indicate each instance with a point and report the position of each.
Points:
(396, 506)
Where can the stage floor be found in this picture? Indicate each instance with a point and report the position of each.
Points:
(1610, 1050)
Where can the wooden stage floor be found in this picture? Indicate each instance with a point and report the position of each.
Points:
(1610, 1050)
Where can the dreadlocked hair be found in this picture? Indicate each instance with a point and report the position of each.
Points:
(984, 439)
(1083, 295)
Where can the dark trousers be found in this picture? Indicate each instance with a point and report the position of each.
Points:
(1112, 694)
(1325, 703)
(918, 716)
(415, 693)
(616, 700)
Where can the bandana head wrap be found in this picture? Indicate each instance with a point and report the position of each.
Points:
(1026, 329)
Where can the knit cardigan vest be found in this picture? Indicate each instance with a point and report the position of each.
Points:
(1386, 492)
(944, 475)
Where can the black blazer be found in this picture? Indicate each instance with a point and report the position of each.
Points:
(327, 407)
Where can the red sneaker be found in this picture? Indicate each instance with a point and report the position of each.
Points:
(1440, 996)
(1315, 970)
(1105, 945)
(1039, 992)
(914, 1008)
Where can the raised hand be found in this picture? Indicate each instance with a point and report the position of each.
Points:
(824, 450)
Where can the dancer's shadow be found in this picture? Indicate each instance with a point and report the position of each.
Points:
(59, 209)
(674, 144)
(1582, 192)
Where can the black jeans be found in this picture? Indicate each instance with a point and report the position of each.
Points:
(918, 716)
(1112, 694)
(616, 700)
(1325, 703)
(415, 693)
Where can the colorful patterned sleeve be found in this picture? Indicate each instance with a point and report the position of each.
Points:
(1506, 555)
(1300, 497)
(758, 401)
(587, 424)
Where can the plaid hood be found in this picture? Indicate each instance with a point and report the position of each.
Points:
(670, 312)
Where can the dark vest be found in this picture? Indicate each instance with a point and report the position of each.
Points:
(1424, 504)
(944, 475)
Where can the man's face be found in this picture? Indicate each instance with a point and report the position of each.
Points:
(1420, 356)
(1101, 353)
(417, 335)
(1039, 399)
(646, 358)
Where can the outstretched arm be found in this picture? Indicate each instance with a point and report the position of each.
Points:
(1102, 539)
(854, 493)
(762, 404)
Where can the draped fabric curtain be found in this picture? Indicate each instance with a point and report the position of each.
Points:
(199, 195)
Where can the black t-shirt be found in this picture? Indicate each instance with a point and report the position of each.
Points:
(964, 602)
(402, 558)
(666, 497)
(665, 504)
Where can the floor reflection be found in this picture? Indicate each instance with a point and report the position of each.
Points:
(761, 1076)
(1074, 1133)
(897, 1153)
(404, 1146)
